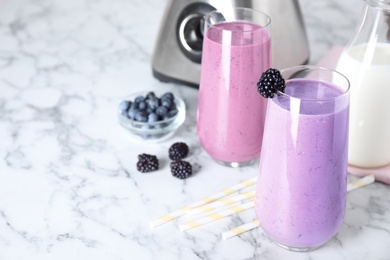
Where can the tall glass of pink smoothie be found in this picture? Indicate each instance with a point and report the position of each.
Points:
(301, 187)
(231, 114)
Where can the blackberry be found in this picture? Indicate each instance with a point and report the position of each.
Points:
(178, 151)
(147, 163)
(270, 82)
(181, 169)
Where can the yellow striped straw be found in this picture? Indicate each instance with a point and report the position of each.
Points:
(240, 229)
(225, 192)
(361, 182)
(216, 216)
(223, 202)
(168, 217)
(255, 223)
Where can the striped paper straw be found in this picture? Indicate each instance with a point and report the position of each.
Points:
(215, 216)
(168, 217)
(240, 229)
(225, 192)
(224, 202)
(360, 182)
(255, 223)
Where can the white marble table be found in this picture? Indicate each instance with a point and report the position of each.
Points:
(69, 188)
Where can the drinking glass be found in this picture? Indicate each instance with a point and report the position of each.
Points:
(301, 187)
(231, 113)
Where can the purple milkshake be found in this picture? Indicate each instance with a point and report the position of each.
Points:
(301, 190)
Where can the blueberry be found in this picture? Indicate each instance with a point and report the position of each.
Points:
(153, 103)
(149, 110)
(124, 106)
(146, 127)
(172, 113)
(153, 117)
(168, 95)
(132, 112)
(139, 99)
(141, 116)
(135, 105)
(150, 95)
(161, 125)
(161, 111)
(142, 105)
(167, 102)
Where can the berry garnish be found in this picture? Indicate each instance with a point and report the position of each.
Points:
(270, 82)
(181, 169)
(178, 151)
(147, 163)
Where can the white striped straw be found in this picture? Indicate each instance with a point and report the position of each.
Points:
(255, 223)
(168, 217)
(360, 182)
(173, 215)
(215, 216)
(240, 229)
(222, 202)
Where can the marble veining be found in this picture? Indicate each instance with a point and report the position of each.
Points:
(69, 188)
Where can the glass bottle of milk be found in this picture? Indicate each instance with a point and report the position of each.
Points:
(366, 63)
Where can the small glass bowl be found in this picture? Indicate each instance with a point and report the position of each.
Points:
(156, 131)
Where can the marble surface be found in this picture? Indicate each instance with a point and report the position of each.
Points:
(69, 188)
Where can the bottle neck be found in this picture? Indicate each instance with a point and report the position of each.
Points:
(374, 26)
(382, 4)
(381, 10)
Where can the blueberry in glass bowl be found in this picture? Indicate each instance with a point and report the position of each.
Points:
(152, 115)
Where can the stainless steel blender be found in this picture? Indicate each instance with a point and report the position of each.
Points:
(178, 49)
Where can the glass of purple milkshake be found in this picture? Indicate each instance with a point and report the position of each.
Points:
(301, 189)
(231, 114)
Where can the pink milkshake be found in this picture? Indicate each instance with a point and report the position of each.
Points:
(301, 189)
(231, 113)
